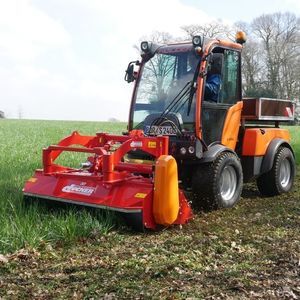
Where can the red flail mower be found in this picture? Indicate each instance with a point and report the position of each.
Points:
(148, 196)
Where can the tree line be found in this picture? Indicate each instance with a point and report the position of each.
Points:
(271, 55)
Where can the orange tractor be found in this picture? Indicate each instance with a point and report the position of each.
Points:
(189, 131)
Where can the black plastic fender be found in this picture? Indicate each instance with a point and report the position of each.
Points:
(268, 159)
(213, 151)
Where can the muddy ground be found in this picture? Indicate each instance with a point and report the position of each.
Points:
(249, 252)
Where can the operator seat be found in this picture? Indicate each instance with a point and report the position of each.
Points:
(214, 78)
(213, 112)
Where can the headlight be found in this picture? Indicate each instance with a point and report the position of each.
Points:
(191, 149)
(182, 150)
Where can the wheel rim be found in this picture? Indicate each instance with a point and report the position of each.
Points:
(228, 183)
(285, 173)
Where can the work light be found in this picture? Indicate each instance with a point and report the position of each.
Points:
(145, 46)
(197, 40)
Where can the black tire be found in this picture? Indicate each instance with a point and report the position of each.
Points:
(280, 178)
(218, 184)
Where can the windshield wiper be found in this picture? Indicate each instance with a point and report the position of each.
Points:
(182, 93)
(176, 101)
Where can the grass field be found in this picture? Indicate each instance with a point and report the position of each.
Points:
(20, 155)
(251, 251)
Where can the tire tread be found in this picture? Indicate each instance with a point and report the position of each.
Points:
(267, 183)
(205, 182)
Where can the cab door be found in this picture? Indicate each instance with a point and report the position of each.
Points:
(221, 117)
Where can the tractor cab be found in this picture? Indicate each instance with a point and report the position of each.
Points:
(164, 91)
(185, 91)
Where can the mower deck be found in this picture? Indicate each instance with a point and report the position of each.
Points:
(109, 182)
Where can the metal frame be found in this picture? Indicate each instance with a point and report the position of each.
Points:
(258, 110)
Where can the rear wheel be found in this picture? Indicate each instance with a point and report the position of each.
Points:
(280, 178)
(218, 184)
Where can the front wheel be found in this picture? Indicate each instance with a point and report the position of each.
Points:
(218, 184)
(280, 178)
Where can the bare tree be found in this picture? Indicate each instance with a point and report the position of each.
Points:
(159, 67)
(158, 37)
(297, 111)
(271, 56)
(279, 34)
(214, 29)
(253, 67)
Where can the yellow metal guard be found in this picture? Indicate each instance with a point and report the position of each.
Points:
(166, 196)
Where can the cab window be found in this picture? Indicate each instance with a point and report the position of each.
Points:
(230, 80)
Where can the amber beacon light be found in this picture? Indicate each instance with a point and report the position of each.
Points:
(240, 37)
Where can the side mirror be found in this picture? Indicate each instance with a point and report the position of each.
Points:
(129, 73)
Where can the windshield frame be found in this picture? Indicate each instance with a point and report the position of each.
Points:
(167, 49)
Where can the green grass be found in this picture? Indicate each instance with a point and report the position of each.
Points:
(295, 132)
(20, 155)
(250, 251)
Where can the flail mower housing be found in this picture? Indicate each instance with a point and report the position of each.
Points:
(147, 193)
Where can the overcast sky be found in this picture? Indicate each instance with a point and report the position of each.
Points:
(65, 59)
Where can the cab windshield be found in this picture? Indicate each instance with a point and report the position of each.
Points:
(164, 88)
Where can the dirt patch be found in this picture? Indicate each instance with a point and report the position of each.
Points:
(250, 251)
